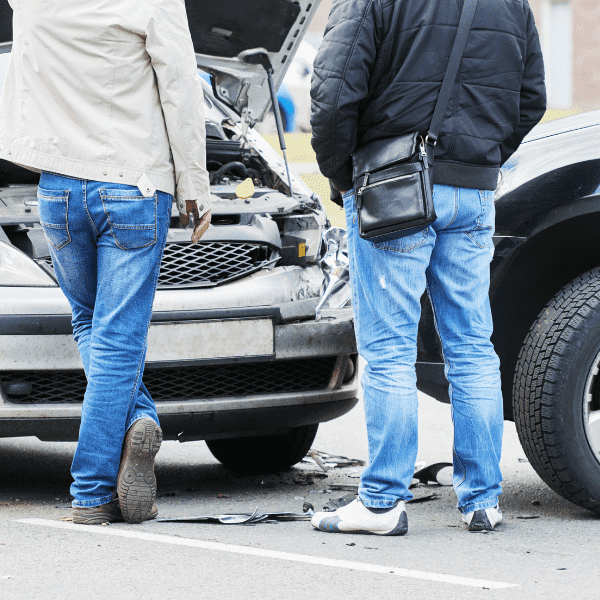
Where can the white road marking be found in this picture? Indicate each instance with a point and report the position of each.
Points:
(298, 558)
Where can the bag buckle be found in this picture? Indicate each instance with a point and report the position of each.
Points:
(430, 139)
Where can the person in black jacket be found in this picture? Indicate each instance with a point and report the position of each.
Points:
(378, 74)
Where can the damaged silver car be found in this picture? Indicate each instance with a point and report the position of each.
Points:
(265, 346)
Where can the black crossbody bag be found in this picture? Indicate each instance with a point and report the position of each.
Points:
(393, 177)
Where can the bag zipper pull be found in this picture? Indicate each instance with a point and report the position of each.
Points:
(424, 157)
(364, 185)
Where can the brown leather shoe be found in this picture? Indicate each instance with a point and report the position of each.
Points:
(105, 513)
(136, 483)
(96, 515)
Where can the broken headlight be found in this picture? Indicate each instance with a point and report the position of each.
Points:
(17, 269)
(301, 237)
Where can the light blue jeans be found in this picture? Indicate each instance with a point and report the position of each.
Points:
(106, 242)
(450, 259)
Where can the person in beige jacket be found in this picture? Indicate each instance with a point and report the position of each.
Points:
(105, 101)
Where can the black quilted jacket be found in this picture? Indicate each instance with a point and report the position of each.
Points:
(379, 70)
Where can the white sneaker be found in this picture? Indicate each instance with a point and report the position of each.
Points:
(356, 518)
(484, 519)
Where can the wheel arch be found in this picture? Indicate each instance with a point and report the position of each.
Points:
(535, 272)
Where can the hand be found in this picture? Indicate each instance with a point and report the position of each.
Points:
(200, 224)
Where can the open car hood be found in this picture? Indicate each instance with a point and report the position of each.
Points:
(222, 30)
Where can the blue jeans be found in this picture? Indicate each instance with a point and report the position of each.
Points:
(450, 259)
(106, 242)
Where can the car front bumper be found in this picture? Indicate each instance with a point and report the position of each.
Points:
(51, 348)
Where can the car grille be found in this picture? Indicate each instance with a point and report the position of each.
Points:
(180, 383)
(205, 264)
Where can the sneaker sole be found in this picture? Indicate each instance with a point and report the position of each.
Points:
(136, 484)
(330, 525)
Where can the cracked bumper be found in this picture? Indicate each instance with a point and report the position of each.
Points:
(191, 418)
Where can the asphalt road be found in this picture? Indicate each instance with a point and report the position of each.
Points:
(547, 548)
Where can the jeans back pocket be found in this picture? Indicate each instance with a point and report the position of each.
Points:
(53, 209)
(131, 216)
(483, 233)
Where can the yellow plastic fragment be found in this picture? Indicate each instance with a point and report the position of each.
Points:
(301, 250)
(245, 189)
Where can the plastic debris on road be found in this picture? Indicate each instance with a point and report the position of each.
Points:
(440, 473)
(308, 478)
(343, 487)
(331, 461)
(241, 518)
(335, 503)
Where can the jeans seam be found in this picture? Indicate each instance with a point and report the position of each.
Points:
(61, 175)
(475, 241)
(156, 275)
(447, 362)
(478, 506)
(456, 205)
(93, 503)
(130, 425)
(85, 206)
(56, 225)
(385, 248)
(388, 503)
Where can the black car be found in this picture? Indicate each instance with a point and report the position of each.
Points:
(545, 298)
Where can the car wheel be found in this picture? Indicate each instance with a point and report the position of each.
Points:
(556, 393)
(264, 454)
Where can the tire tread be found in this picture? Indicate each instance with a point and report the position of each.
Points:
(536, 385)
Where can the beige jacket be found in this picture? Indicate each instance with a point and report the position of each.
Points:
(107, 90)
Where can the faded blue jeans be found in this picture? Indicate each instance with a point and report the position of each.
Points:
(106, 242)
(451, 260)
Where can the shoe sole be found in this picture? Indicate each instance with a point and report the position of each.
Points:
(330, 525)
(136, 484)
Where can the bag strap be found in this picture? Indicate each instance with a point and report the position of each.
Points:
(464, 27)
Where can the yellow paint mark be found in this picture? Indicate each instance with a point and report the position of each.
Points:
(301, 250)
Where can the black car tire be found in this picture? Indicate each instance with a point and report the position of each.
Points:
(556, 384)
(264, 454)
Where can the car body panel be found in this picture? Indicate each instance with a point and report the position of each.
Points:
(554, 168)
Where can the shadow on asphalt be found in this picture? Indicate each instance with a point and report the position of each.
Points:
(40, 472)
(44, 469)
